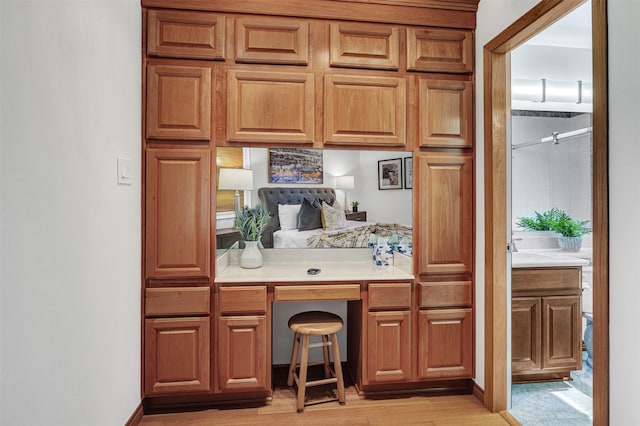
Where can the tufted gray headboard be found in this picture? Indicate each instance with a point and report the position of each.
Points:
(272, 196)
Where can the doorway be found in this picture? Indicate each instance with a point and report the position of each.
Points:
(497, 117)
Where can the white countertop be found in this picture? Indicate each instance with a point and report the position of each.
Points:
(288, 265)
(549, 258)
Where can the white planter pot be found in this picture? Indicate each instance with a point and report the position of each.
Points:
(251, 256)
(570, 243)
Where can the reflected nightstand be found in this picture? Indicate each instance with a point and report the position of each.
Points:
(359, 216)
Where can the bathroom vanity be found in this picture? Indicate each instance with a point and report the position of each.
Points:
(546, 316)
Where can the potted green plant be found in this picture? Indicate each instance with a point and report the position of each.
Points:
(570, 230)
(354, 206)
(251, 223)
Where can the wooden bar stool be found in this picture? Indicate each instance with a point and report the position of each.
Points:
(315, 323)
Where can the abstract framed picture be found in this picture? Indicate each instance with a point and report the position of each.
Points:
(408, 173)
(292, 165)
(390, 174)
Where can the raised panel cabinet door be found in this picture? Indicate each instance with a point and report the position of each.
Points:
(243, 353)
(179, 102)
(445, 344)
(526, 334)
(363, 110)
(388, 347)
(272, 40)
(177, 214)
(445, 113)
(176, 355)
(562, 326)
(177, 34)
(445, 213)
(439, 50)
(270, 107)
(359, 45)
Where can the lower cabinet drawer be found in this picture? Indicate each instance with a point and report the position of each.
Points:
(283, 293)
(176, 301)
(389, 296)
(243, 299)
(446, 294)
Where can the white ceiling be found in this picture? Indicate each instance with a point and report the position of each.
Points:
(574, 30)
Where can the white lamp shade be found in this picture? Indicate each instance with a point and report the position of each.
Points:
(235, 179)
(345, 182)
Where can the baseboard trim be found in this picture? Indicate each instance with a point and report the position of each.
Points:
(136, 417)
(509, 418)
(478, 392)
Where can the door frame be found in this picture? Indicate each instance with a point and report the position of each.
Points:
(497, 114)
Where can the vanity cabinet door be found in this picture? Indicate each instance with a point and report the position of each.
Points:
(176, 355)
(178, 102)
(445, 213)
(388, 356)
(445, 344)
(526, 334)
(561, 323)
(242, 352)
(445, 113)
(178, 200)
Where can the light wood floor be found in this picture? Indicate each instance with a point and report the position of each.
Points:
(415, 410)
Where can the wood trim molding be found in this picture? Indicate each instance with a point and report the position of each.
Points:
(438, 13)
(136, 416)
(496, 117)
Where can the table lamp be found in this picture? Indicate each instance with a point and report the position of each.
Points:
(345, 183)
(236, 180)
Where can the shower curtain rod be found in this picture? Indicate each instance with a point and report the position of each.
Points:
(555, 138)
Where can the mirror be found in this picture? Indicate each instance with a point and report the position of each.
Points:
(380, 182)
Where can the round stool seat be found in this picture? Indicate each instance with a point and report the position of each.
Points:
(315, 323)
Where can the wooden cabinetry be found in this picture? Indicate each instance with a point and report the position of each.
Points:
(272, 40)
(445, 213)
(359, 45)
(243, 348)
(545, 323)
(178, 199)
(178, 34)
(361, 110)
(439, 50)
(270, 107)
(178, 102)
(388, 346)
(445, 113)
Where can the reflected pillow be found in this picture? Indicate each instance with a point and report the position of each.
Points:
(333, 217)
(288, 216)
(310, 216)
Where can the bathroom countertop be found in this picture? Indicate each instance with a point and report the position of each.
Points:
(548, 258)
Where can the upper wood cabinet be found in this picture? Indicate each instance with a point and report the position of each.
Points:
(360, 45)
(270, 107)
(178, 200)
(445, 213)
(176, 34)
(445, 113)
(439, 50)
(178, 102)
(272, 40)
(367, 111)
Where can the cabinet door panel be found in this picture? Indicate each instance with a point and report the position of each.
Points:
(270, 107)
(177, 213)
(176, 34)
(178, 102)
(446, 344)
(176, 355)
(389, 347)
(365, 110)
(445, 213)
(272, 40)
(526, 334)
(445, 113)
(243, 353)
(360, 45)
(439, 50)
(561, 344)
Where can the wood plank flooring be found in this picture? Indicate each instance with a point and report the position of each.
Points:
(281, 410)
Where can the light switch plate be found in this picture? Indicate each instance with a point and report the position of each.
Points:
(124, 171)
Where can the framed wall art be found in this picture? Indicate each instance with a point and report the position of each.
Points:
(292, 165)
(408, 173)
(390, 174)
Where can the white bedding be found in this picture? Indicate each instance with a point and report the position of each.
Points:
(298, 239)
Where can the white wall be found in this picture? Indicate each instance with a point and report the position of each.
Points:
(70, 246)
(492, 18)
(624, 207)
